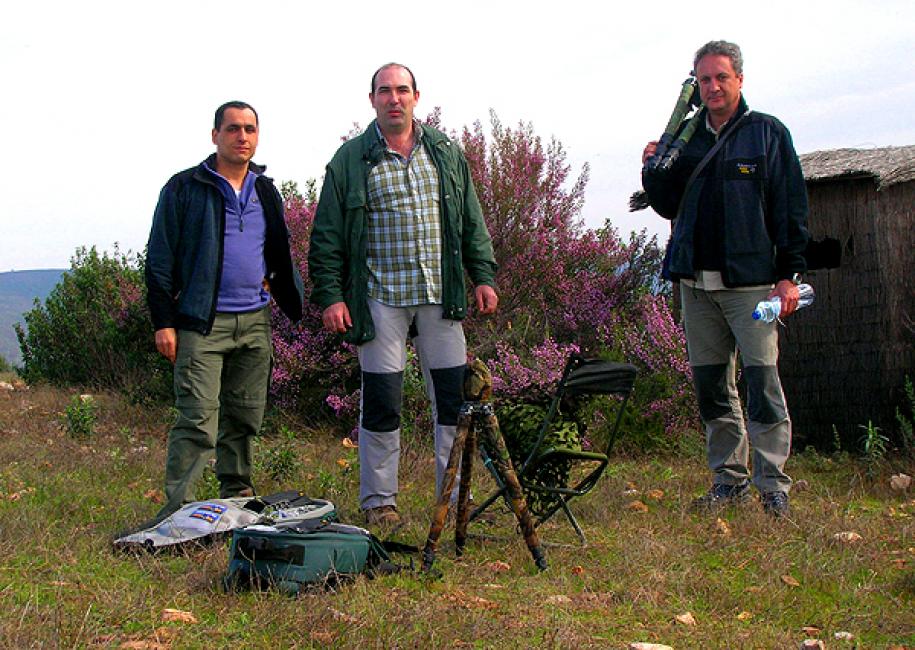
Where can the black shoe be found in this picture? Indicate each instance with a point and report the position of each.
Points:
(721, 495)
(775, 504)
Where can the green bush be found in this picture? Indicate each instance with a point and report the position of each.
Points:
(80, 416)
(5, 365)
(278, 458)
(874, 446)
(94, 330)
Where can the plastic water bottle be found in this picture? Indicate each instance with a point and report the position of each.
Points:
(768, 310)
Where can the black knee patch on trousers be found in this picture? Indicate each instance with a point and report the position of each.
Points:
(765, 401)
(382, 393)
(448, 384)
(712, 391)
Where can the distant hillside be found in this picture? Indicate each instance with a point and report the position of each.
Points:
(18, 290)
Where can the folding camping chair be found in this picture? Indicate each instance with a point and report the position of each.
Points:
(581, 376)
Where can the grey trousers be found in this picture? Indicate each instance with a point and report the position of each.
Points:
(719, 324)
(221, 383)
(442, 352)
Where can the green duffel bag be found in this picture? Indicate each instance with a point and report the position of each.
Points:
(302, 554)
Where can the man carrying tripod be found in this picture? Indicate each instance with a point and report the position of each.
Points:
(739, 205)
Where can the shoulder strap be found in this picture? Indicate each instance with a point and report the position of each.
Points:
(707, 159)
(381, 562)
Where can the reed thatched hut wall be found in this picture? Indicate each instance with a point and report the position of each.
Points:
(844, 360)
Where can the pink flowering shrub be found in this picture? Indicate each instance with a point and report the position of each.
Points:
(564, 287)
(658, 346)
(556, 278)
(314, 374)
(533, 378)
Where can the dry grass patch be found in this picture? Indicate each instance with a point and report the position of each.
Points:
(744, 579)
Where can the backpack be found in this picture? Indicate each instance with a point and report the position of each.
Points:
(295, 555)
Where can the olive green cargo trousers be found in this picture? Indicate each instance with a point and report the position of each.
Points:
(221, 383)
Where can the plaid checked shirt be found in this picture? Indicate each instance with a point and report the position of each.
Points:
(404, 229)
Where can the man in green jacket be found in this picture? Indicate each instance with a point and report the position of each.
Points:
(397, 223)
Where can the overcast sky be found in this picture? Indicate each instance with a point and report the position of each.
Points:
(104, 101)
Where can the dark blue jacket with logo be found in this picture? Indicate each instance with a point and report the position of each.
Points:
(185, 250)
(745, 214)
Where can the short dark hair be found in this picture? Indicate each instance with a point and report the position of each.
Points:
(221, 111)
(393, 65)
(721, 48)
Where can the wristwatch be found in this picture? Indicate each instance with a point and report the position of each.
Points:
(797, 279)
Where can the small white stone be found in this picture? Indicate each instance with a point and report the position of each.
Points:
(812, 644)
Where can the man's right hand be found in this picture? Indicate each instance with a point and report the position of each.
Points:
(336, 318)
(649, 151)
(167, 343)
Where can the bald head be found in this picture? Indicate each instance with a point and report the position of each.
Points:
(394, 65)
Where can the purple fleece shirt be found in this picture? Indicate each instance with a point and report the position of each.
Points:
(243, 266)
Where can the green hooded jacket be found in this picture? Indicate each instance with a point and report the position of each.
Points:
(337, 253)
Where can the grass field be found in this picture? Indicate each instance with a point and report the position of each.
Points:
(746, 580)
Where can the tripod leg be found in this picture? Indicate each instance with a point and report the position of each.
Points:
(502, 460)
(463, 510)
(440, 509)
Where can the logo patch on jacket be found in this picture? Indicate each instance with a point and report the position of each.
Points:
(746, 169)
(208, 512)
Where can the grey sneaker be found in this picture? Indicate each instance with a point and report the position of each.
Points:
(721, 495)
(775, 504)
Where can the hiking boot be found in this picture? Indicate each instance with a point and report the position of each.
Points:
(775, 504)
(244, 493)
(721, 495)
(382, 516)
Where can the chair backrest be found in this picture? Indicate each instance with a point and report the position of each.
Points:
(597, 377)
(582, 376)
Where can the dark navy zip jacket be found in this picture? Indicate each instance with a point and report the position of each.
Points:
(747, 210)
(185, 251)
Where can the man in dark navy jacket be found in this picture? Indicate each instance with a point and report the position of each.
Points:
(739, 202)
(218, 249)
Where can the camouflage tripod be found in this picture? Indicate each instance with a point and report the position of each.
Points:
(678, 131)
(673, 141)
(477, 418)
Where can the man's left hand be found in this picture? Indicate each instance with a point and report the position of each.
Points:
(486, 299)
(787, 292)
